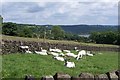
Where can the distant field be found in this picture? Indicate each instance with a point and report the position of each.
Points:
(55, 41)
(18, 65)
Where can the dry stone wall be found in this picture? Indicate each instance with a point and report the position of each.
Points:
(12, 46)
(114, 75)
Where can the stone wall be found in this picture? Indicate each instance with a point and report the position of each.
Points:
(12, 46)
(114, 75)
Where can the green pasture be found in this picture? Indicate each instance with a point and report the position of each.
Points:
(18, 65)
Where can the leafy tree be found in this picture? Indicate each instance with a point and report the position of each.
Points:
(57, 32)
(25, 31)
(107, 37)
(9, 29)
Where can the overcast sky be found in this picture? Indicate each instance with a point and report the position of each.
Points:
(60, 12)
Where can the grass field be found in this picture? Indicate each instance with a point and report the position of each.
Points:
(18, 65)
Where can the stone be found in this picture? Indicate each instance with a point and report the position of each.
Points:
(75, 78)
(62, 76)
(47, 78)
(112, 75)
(86, 76)
(101, 77)
(118, 74)
(29, 77)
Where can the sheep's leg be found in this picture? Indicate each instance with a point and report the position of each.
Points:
(81, 56)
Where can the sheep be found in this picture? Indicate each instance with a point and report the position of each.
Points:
(69, 64)
(61, 54)
(58, 50)
(51, 50)
(81, 54)
(28, 52)
(55, 50)
(24, 47)
(41, 53)
(43, 50)
(54, 54)
(68, 51)
(71, 55)
(75, 48)
(59, 58)
(89, 54)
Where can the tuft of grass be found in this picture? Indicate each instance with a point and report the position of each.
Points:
(18, 65)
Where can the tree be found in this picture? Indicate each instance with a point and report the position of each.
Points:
(9, 29)
(57, 32)
(107, 37)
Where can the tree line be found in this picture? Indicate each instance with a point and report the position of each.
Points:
(57, 33)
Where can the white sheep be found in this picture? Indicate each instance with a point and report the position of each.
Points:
(24, 47)
(69, 64)
(67, 51)
(55, 50)
(81, 54)
(59, 58)
(41, 53)
(71, 55)
(27, 51)
(61, 54)
(89, 54)
(43, 50)
(54, 53)
(75, 48)
(51, 50)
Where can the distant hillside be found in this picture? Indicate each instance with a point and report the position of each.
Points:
(80, 29)
(86, 29)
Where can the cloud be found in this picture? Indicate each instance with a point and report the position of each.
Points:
(60, 0)
(61, 12)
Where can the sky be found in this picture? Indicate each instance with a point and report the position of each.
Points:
(60, 12)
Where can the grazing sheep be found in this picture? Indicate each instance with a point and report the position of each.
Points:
(55, 50)
(43, 50)
(71, 55)
(58, 50)
(75, 48)
(67, 51)
(81, 54)
(24, 47)
(41, 53)
(61, 54)
(69, 64)
(27, 51)
(51, 50)
(54, 54)
(59, 58)
(89, 54)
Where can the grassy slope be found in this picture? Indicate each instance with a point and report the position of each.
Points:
(18, 65)
(55, 41)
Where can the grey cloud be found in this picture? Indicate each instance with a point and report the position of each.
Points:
(58, 13)
(35, 9)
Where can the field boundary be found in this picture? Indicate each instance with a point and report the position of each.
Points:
(12, 46)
